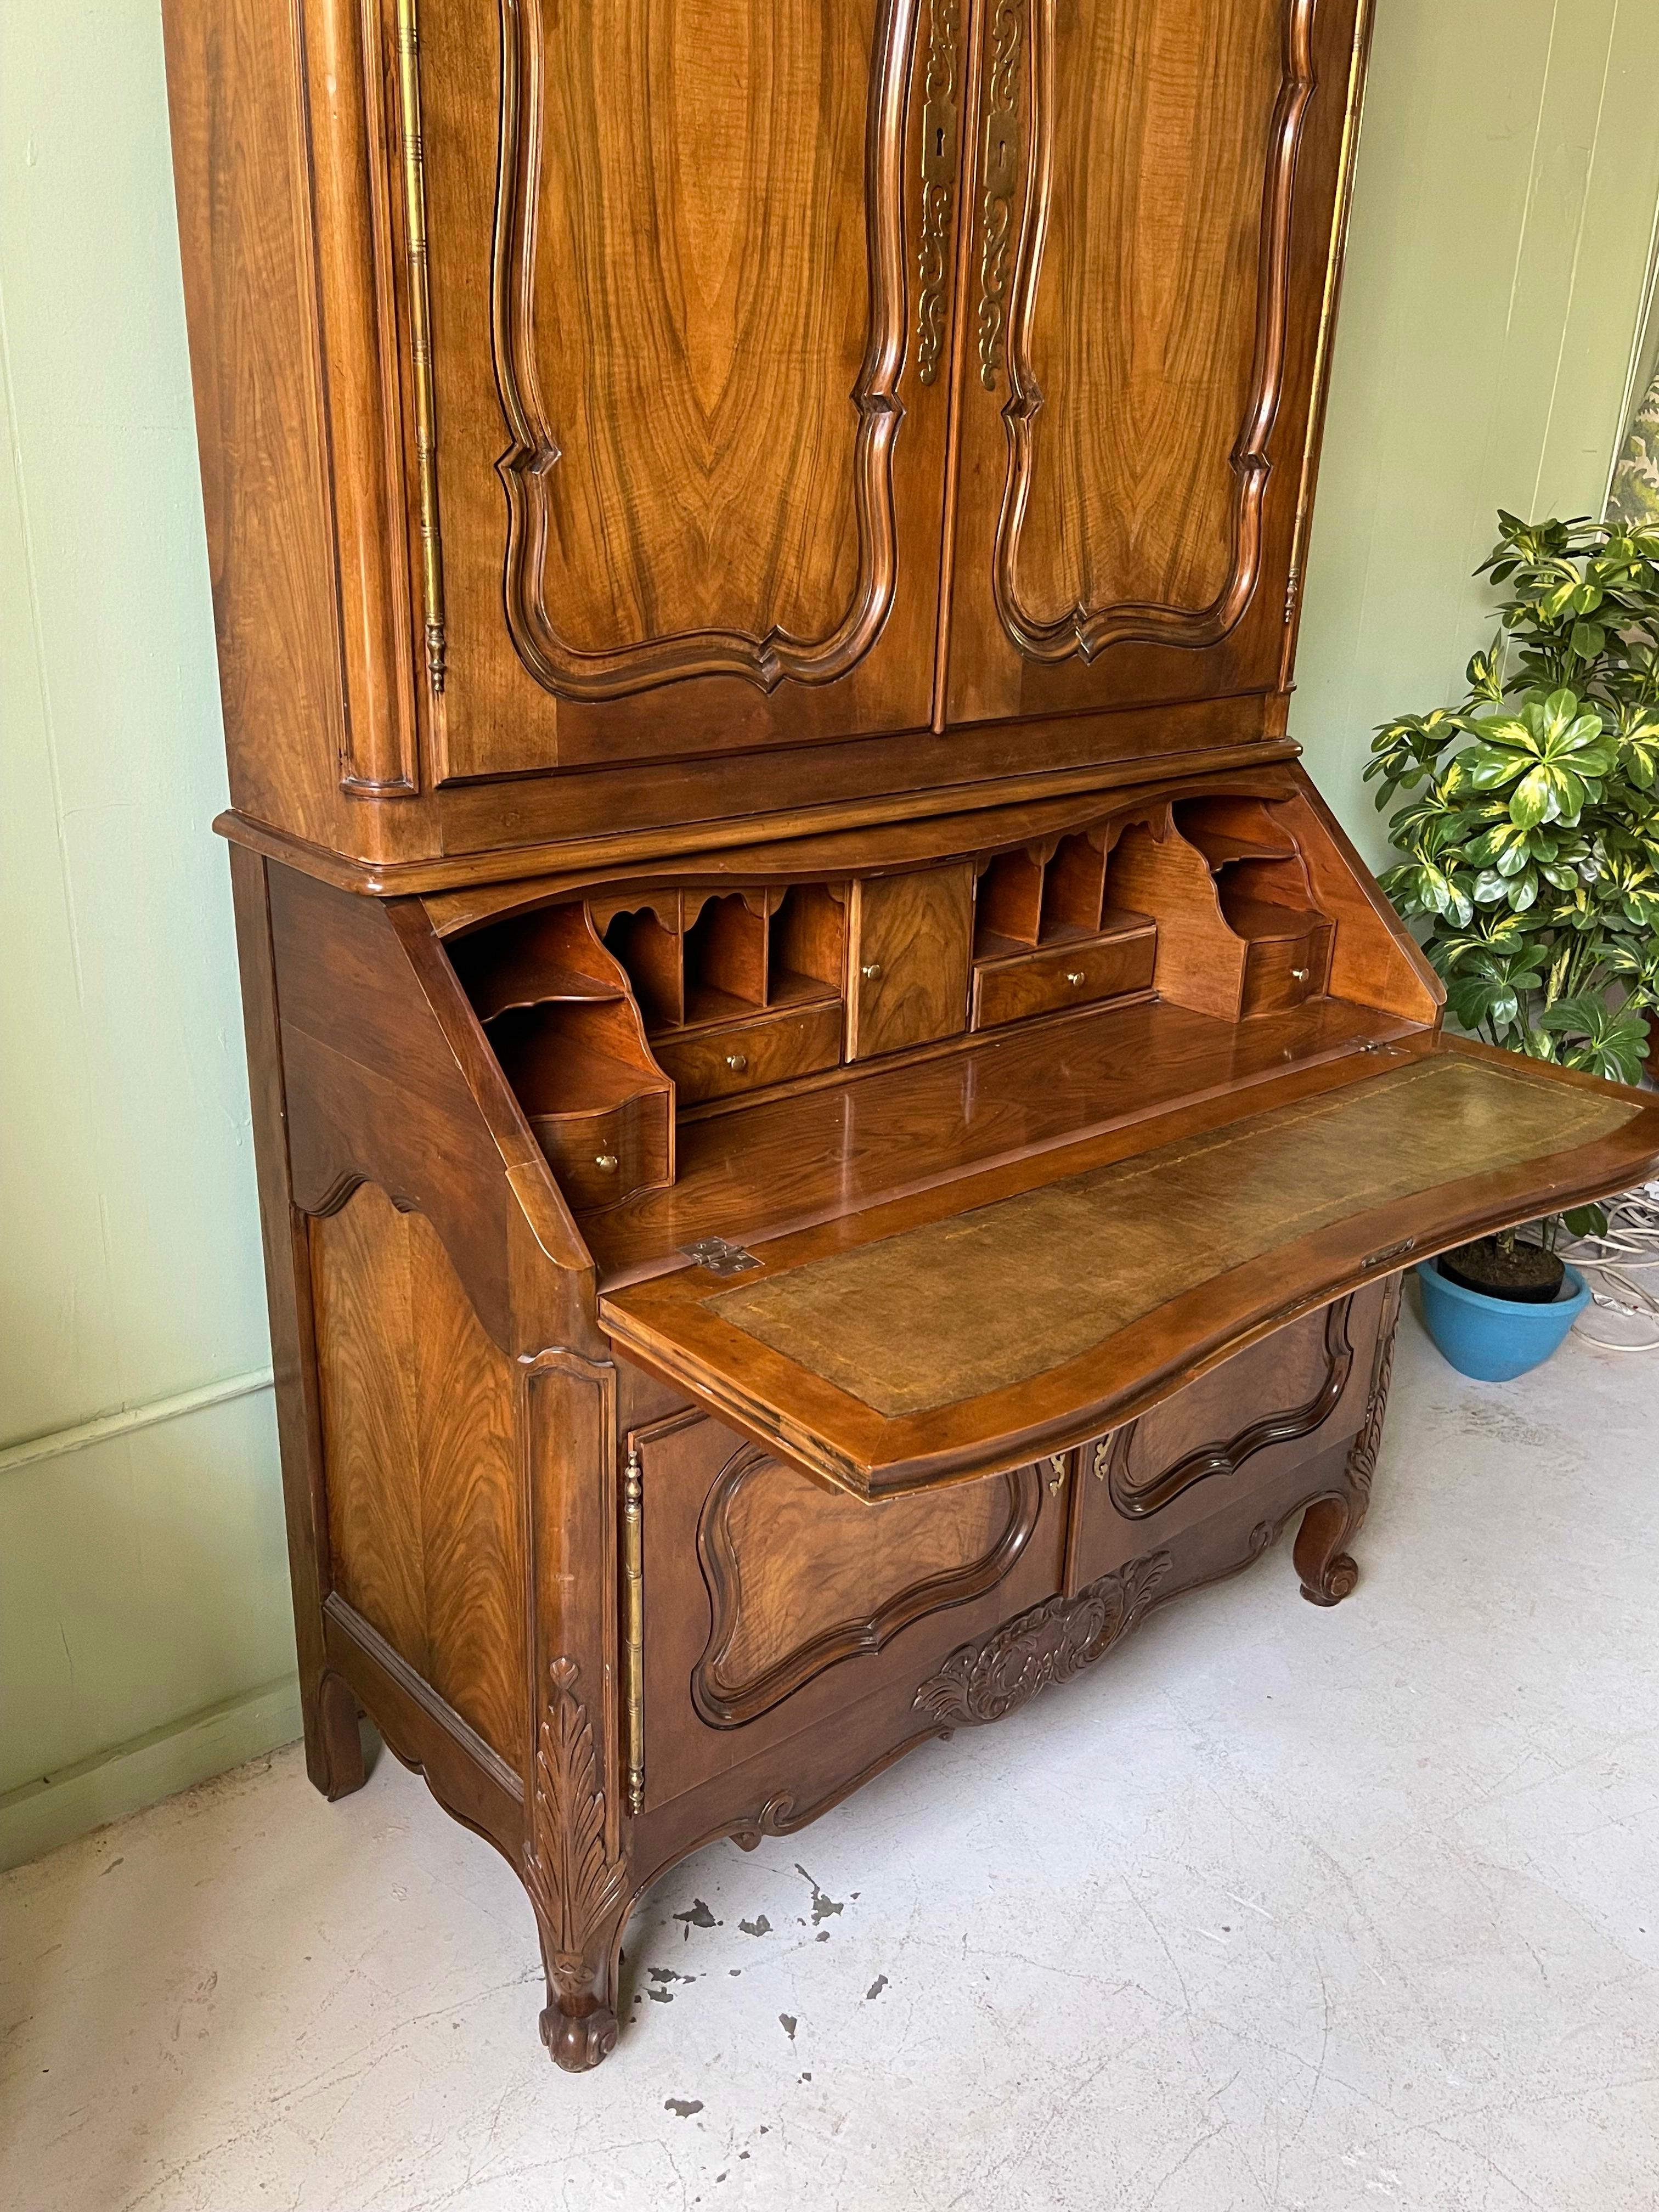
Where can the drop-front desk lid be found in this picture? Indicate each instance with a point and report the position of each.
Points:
(1018, 1310)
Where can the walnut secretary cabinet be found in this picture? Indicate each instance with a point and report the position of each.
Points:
(837, 1120)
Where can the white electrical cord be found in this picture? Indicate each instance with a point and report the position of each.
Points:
(1622, 1271)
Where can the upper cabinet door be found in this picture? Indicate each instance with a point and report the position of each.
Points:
(685, 290)
(1155, 197)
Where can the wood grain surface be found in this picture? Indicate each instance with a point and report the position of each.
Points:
(833, 1149)
(800, 1580)
(242, 187)
(691, 304)
(1142, 330)
(420, 1462)
(668, 278)
(1147, 345)
(911, 939)
(687, 283)
(1071, 974)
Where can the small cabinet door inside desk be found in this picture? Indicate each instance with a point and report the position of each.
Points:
(908, 977)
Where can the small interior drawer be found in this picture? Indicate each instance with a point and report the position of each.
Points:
(741, 1056)
(1282, 970)
(601, 1157)
(1008, 988)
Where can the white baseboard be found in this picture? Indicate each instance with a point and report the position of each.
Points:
(38, 1816)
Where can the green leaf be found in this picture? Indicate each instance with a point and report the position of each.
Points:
(1478, 1000)
(1529, 833)
(1504, 733)
(1489, 767)
(1484, 677)
(1441, 893)
(1586, 1221)
(1543, 794)
(1603, 1043)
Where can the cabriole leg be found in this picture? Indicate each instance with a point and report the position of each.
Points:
(1327, 1571)
(1323, 1562)
(579, 2026)
(577, 1878)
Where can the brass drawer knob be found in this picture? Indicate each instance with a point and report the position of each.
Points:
(1075, 976)
(737, 1061)
(871, 971)
(606, 1163)
(1298, 974)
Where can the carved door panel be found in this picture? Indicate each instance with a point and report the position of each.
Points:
(685, 275)
(768, 1605)
(1262, 1416)
(1155, 202)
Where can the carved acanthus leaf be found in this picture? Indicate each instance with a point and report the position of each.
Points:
(573, 1884)
(1051, 1644)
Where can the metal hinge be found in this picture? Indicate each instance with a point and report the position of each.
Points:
(1388, 1255)
(720, 1257)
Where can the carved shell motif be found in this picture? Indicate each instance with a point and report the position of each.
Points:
(1051, 1644)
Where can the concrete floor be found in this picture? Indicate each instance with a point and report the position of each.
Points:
(1279, 1908)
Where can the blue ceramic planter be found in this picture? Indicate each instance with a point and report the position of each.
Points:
(1495, 1339)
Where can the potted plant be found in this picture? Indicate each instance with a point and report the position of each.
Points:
(1529, 838)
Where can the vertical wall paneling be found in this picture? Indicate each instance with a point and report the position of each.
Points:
(144, 1637)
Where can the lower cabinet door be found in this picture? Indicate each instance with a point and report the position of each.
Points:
(1238, 1440)
(770, 1603)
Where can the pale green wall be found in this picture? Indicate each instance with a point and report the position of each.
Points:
(1503, 217)
(143, 1582)
(1508, 180)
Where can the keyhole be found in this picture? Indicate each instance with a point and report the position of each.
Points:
(939, 143)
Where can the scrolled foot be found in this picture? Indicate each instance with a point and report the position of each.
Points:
(1328, 1573)
(577, 2045)
(1341, 1579)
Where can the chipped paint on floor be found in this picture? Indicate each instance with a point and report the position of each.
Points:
(1278, 1909)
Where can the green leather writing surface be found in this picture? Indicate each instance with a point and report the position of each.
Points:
(988, 1298)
